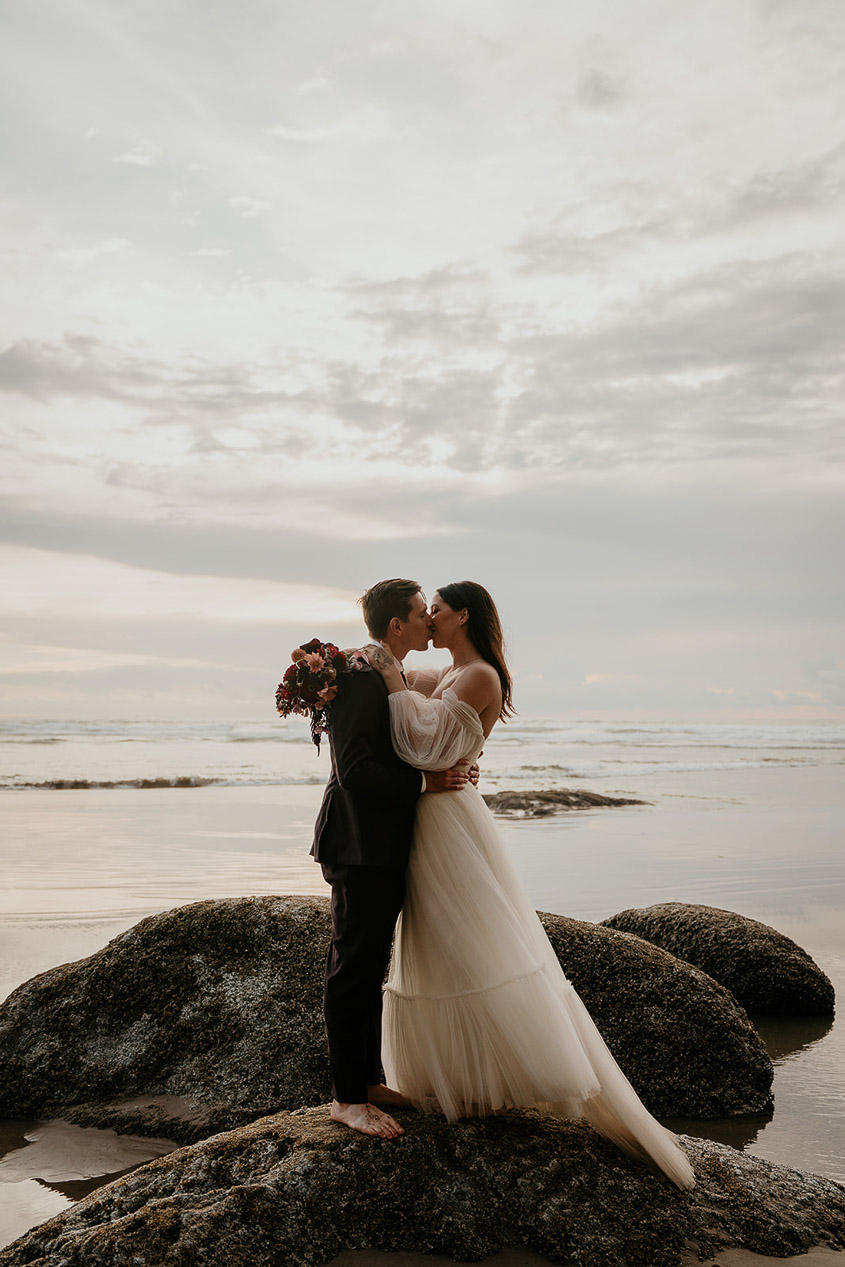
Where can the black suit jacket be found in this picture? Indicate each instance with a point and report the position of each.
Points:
(367, 814)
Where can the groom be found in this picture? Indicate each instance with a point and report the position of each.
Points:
(362, 840)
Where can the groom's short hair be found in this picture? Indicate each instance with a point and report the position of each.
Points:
(385, 600)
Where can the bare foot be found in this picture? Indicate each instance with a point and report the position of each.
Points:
(381, 1094)
(367, 1119)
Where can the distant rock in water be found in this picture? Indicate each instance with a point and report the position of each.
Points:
(295, 1189)
(554, 801)
(65, 785)
(205, 1017)
(678, 1035)
(762, 968)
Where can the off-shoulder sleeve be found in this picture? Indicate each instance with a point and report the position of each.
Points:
(432, 734)
(424, 679)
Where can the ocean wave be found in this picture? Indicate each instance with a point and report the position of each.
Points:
(546, 766)
(183, 781)
(63, 785)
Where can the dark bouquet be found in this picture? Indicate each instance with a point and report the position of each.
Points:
(311, 683)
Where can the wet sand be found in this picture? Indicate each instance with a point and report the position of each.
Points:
(81, 867)
(819, 1257)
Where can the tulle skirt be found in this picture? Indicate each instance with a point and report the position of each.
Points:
(478, 1013)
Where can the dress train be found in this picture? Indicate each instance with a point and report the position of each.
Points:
(478, 1013)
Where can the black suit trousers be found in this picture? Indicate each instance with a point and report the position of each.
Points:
(366, 902)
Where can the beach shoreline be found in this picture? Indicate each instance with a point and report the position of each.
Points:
(83, 866)
(819, 1256)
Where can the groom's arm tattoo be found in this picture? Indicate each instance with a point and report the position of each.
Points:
(379, 658)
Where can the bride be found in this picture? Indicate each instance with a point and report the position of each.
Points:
(478, 1014)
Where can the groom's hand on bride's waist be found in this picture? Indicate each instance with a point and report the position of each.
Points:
(452, 780)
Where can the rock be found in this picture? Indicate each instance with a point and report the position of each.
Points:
(210, 1013)
(762, 968)
(541, 804)
(295, 1190)
(206, 1017)
(678, 1035)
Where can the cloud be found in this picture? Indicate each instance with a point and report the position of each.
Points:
(144, 154)
(735, 363)
(78, 366)
(598, 90)
(319, 83)
(369, 123)
(84, 366)
(250, 207)
(80, 256)
(561, 250)
(693, 216)
(730, 363)
(805, 185)
(34, 658)
(787, 696)
(830, 679)
(42, 582)
(550, 298)
(595, 679)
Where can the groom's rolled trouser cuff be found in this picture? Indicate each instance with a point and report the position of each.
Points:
(366, 902)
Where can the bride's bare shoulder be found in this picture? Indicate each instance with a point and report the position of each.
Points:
(476, 684)
(479, 671)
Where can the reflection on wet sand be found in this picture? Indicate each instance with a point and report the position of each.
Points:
(786, 1036)
(76, 1189)
(739, 1132)
(59, 1152)
(69, 1161)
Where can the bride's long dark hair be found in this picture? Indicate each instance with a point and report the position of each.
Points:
(485, 631)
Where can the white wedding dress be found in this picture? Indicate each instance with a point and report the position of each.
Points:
(478, 1014)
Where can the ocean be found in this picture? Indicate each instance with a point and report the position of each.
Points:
(106, 822)
(44, 754)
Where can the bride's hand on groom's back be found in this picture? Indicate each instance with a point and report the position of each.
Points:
(452, 780)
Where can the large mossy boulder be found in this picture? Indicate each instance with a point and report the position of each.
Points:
(195, 1020)
(678, 1035)
(763, 969)
(208, 1016)
(294, 1190)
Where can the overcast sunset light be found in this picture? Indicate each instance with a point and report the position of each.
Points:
(547, 296)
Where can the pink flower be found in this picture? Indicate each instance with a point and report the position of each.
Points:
(314, 661)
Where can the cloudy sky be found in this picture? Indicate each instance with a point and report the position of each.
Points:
(298, 296)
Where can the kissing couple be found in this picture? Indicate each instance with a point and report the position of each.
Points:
(477, 1014)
